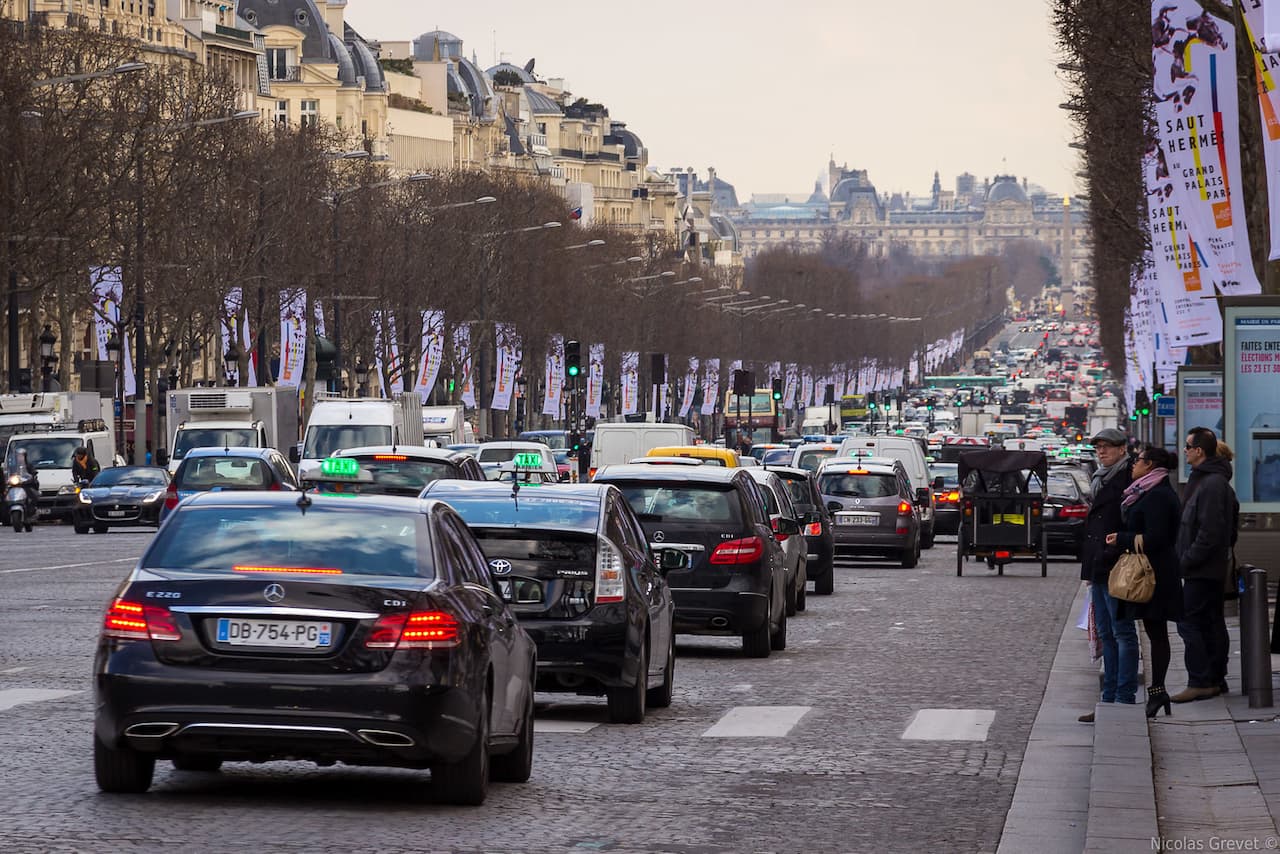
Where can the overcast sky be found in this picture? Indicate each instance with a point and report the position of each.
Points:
(767, 91)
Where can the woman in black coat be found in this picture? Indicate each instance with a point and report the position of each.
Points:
(1151, 508)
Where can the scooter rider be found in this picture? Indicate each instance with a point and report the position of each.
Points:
(33, 484)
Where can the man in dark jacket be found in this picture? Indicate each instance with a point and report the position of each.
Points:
(83, 466)
(1205, 534)
(1119, 638)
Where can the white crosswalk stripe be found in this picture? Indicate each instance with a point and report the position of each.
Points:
(11, 697)
(950, 725)
(757, 722)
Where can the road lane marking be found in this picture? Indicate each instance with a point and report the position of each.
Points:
(571, 727)
(9, 671)
(11, 697)
(69, 565)
(950, 725)
(757, 722)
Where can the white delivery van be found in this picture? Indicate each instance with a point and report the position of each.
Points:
(618, 444)
(358, 422)
(261, 417)
(911, 454)
(446, 425)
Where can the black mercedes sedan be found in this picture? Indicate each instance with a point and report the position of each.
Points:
(273, 625)
(574, 564)
(120, 496)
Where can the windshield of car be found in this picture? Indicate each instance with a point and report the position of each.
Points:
(867, 485)
(398, 474)
(811, 460)
(128, 476)
(551, 440)
(324, 439)
(528, 508)
(503, 455)
(350, 540)
(683, 502)
(777, 456)
(213, 437)
(798, 489)
(47, 453)
(1063, 486)
(208, 473)
(950, 475)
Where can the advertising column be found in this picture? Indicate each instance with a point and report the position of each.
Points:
(1251, 340)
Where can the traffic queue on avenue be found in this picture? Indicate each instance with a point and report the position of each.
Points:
(380, 596)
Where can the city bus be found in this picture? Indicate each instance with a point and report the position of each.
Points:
(853, 407)
(759, 415)
(965, 381)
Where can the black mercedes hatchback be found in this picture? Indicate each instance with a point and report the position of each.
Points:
(264, 626)
(574, 565)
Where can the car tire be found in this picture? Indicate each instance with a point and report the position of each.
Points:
(82, 529)
(517, 766)
(99, 529)
(207, 764)
(927, 542)
(802, 590)
(755, 643)
(792, 596)
(466, 782)
(825, 585)
(660, 697)
(627, 704)
(910, 557)
(15, 520)
(778, 639)
(122, 770)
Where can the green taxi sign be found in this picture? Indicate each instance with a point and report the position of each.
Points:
(339, 467)
(528, 460)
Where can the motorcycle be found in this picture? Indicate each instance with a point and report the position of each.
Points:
(20, 501)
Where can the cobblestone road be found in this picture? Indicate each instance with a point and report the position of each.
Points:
(863, 662)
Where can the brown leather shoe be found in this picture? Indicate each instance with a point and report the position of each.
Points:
(1189, 694)
(1086, 719)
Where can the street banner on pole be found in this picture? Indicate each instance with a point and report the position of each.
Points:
(462, 365)
(1194, 57)
(386, 354)
(231, 329)
(595, 381)
(789, 387)
(432, 353)
(107, 289)
(319, 315)
(710, 387)
(553, 380)
(1262, 23)
(690, 388)
(630, 383)
(504, 383)
(293, 338)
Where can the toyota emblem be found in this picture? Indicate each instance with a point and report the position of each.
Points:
(500, 567)
(274, 593)
(659, 536)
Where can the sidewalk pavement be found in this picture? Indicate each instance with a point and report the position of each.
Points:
(1206, 778)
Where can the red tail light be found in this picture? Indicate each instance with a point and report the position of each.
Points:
(131, 621)
(171, 496)
(745, 550)
(275, 486)
(813, 529)
(953, 496)
(419, 630)
(1002, 555)
(1075, 511)
(904, 508)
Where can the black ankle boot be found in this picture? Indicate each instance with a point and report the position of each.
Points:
(1157, 697)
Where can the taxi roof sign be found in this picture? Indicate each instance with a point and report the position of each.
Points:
(528, 460)
(339, 467)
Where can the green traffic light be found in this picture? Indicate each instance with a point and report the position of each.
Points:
(574, 370)
(1133, 417)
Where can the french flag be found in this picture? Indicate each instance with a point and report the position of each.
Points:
(576, 213)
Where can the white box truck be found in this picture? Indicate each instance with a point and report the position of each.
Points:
(49, 427)
(262, 417)
(617, 444)
(357, 422)
(446, 425)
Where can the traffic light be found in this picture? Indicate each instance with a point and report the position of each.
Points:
(575, 441)
(572, 359)
(871, 400)
(777, 388)
(829, 395)
(744, 383)
(933, 401)
(1142, 404)
(658, 368)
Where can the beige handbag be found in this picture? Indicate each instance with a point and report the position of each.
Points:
(1132, 578)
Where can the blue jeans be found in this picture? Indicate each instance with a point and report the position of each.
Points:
(1119, 639)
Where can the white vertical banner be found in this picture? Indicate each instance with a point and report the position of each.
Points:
(504, 383)
(293, 338)
(689, 389)
(553, 379)
(806, 389)
(595, 380)
(386, 354)
(789, 387)
(1262, 22)
(1198, 126)
(662, 403)
(107, 291)
(462, 365)
(246, 347)
(319, 316)
(710, 386)
(432, 353)
(231, 326)
(630, 383)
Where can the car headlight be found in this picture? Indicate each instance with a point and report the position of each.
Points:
(14, 480)
(69, 489)
(85, 499)
(153, 497)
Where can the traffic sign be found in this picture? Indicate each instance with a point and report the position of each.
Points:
(1167, 406)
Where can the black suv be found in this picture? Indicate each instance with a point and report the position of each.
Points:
(816, 525)
(736, 580)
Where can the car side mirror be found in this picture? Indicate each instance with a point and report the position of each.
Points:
(923, 495)
(162, 457)
(294, 456)
(672, 559)
(788, 526)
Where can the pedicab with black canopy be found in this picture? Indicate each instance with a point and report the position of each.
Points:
(1002, 495)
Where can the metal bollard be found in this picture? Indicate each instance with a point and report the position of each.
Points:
(1255, 646)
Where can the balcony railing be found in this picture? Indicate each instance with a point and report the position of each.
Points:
(289, 74)
(623, 193)
(537, 139)
(233, 33)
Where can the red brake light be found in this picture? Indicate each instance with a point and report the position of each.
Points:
(274, 487)
(745, 550)
(419, 630)
(297, 570)
(1002, 555)
(1075, 511)
(171, 496)
(391, 457)
(813, 529)
(953, 496)
(131, 621)
(904, 508)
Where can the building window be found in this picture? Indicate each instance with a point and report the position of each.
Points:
(280, 114)
(309, 113)
(278, 63)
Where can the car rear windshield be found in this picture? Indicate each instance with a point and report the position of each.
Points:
(212, 437)
(858, 485)
(667, 502)
(811, 460)
(351, 539)
(798, 489)
(950, 475)
(202, 474)
(396, 473)
(527, 508)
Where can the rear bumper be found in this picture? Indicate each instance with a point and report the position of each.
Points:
(718, 612)
(946, 521)
(579, 654)
(871, 542)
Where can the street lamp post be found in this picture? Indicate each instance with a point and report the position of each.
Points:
(361, 377)
(47, 340)
(231, 364)
(117, 404)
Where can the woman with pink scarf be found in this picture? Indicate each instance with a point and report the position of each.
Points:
(1150, 509)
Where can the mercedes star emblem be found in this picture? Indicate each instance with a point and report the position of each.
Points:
(659, 536)
(274, 593)
(500, 567)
